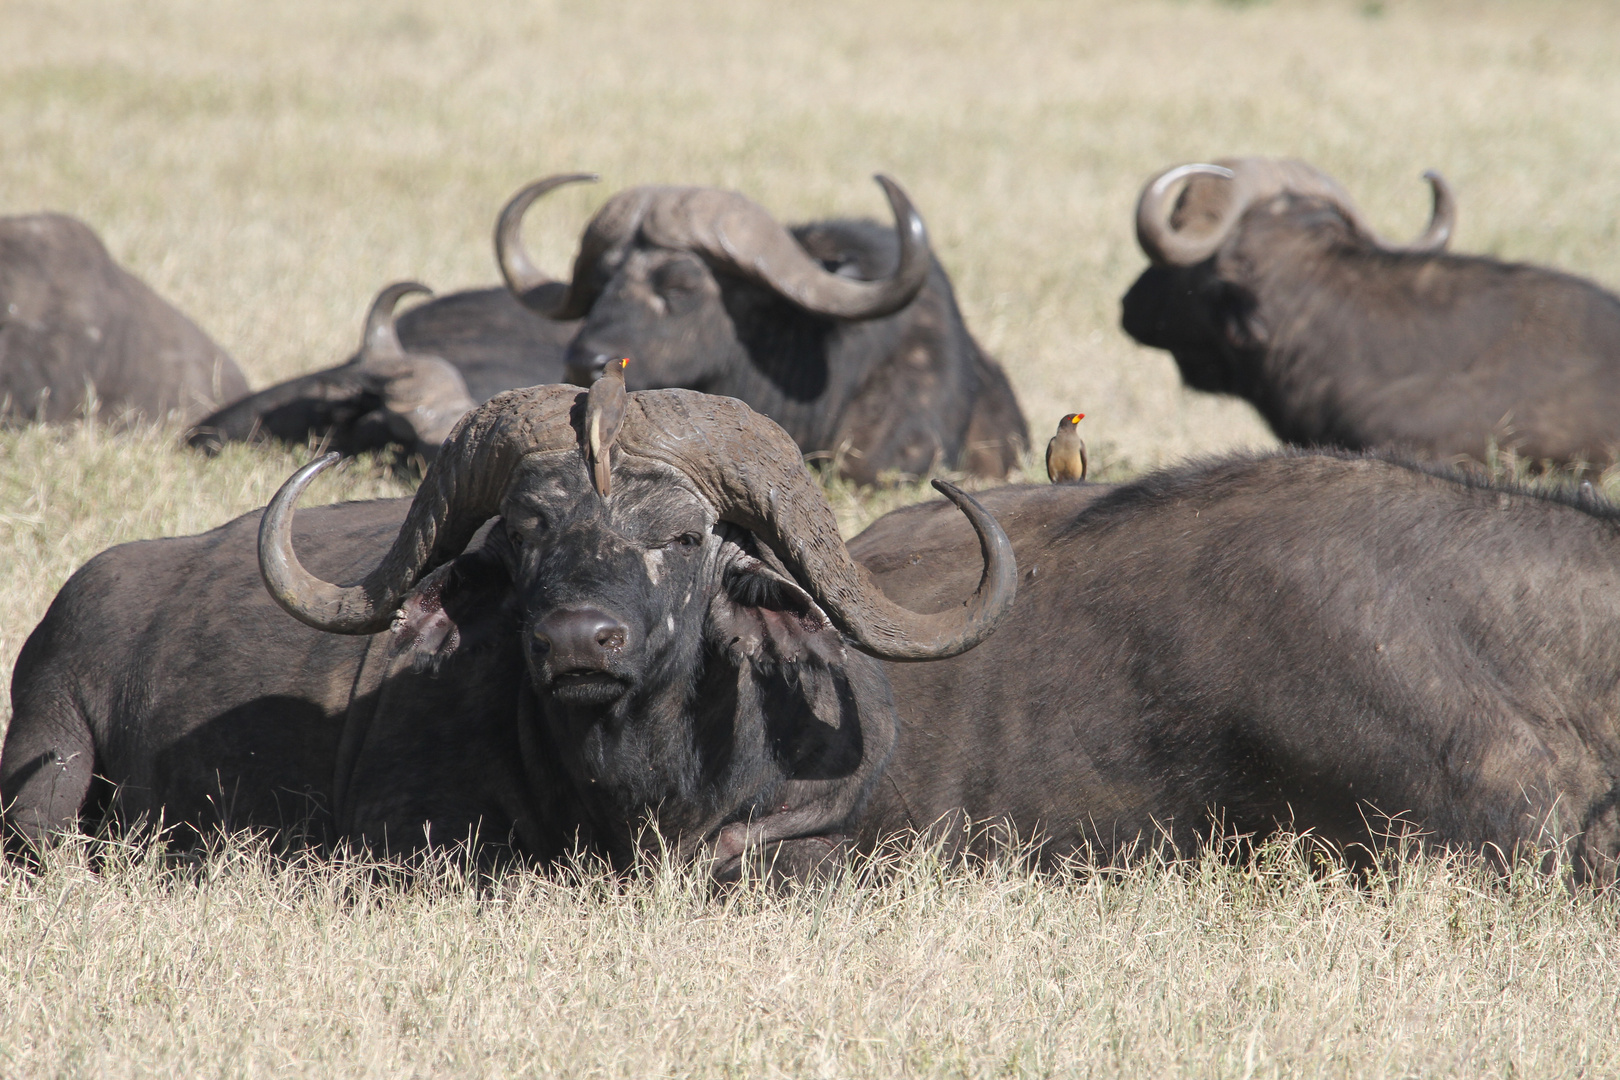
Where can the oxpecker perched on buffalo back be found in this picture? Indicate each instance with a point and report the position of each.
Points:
(1066, 453)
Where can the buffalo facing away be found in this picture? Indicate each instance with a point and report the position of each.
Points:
(408, 383)
(1267, 283)
(679, 653)
(845, 333)
(1303, 639)
(74, 324)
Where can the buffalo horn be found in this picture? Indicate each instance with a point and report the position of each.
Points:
(1169, 246)
(727, 229)
(380, 340)
(752, 471)
(553, 299)
(460, 491)
(1442, 216)
(738, 233)
(749, 468)
(1254, 180)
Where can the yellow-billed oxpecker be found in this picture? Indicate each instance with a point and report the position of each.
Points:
(604, 416)
(1066, 453)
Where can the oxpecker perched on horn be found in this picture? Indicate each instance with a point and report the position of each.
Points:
(1066, 453)
(604, 416)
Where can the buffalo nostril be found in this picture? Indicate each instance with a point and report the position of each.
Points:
(578, 639)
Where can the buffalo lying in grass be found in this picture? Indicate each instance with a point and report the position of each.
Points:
(845, 333)
(407, 384)
(74, 324)
(1311, 640)
(1316, 640)
(1266, 283)
(679, 653)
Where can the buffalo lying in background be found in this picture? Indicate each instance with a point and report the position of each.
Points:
(1267, 284)
(408, 383)
(677, 653)
(1311, 640)
(73, 324)
(843, 332)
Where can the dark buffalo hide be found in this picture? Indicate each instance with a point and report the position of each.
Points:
(701, 288)
(1311, 640)
(727, 714)
(73, 323)
(491, 342)
(1340, 339)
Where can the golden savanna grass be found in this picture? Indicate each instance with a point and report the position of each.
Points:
(269, 166)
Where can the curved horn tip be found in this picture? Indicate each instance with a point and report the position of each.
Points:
(298, 481)
(904, 209)
(522, 276)
(379, 335)
(392, 294)
(531, 191)
(1196, 168)
(297, 592)
(999, 586)
(1165, 246)
(1442, 218)
(275, 528)
(402, 289)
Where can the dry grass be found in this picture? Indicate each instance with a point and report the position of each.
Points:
(268, 166)
(1207, 969)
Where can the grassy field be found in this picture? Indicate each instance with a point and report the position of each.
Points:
(1272, 969)
(269, 166)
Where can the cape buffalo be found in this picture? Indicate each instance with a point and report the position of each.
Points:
(843, 332)
(407, 384)
(1266, 283)
(73, 324)
(675, 653)
(1305, 639)
(1319, 640)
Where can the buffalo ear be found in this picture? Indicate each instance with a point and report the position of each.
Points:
(779, 638)
(462, 605)
(1238, 314)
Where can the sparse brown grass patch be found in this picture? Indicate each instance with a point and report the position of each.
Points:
(1278, 966)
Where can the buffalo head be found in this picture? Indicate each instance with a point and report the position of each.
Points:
(1222, 237)
(685, 636)
(675, 277)
(384, 395)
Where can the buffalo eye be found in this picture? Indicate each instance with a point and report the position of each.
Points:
(518, 536)
(685, 541)
(678, 286)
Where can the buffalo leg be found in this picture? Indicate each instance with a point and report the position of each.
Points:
(45, 770)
